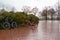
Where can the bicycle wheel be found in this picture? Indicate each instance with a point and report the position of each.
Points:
(6, 25)
(14, 24)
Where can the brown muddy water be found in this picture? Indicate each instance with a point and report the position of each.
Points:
(45, 30)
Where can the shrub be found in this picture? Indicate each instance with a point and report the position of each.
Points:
(33, 18)
(18, 18)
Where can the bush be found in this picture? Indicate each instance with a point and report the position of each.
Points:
(33, 18)
(18, 19)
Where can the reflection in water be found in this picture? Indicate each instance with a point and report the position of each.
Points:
(50, 30)
(46, 30)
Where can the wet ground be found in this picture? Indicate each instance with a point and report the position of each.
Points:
(45, 30)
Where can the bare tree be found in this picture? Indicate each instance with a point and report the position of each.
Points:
(58, 10)
(35, 10)
(13, 9)
(26, 9)
(51, 12)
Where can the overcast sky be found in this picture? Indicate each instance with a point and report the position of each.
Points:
(18, 4)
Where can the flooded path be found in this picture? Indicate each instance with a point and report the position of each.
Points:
(50, 30)
(46, 30)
